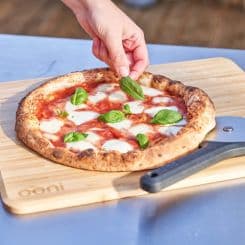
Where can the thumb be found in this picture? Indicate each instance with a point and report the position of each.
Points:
(117, 56)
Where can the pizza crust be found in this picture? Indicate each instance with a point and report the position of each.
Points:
(200, 117)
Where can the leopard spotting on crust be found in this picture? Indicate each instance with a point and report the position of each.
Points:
(200, 120)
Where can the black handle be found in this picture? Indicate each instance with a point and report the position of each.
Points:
(209, 154)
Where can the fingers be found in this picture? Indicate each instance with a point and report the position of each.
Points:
(103, 53)
(140, 57)
(100, 50)
(130, 58)
(109, 31)
(113, 54)
(112, 51)
(95, 47)
(117, 56)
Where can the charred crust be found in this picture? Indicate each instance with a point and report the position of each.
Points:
(130, 156)
(85, 154)
(58, 153)
(200, 115)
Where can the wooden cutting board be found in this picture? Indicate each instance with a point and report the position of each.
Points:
(30, 183)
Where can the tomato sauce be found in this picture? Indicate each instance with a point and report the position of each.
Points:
(106, 105)
(48, 110)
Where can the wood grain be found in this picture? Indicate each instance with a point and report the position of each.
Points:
(30, 183)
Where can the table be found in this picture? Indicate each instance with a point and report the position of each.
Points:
(202, 215)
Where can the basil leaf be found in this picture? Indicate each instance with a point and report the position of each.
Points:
(112, 116)
(143, 140)
(60, 113)
(80, 96)
(132, 88)
(126, 109)
(166, 116)
(74, 137)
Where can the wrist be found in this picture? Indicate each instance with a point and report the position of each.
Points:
(79, 7)
(84, 5)
(92, 3)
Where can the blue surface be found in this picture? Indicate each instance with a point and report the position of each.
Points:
(24, 57)
(206, 215)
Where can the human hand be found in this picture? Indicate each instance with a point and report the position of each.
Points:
(117, 40)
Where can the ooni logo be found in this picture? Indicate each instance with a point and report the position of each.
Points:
(41, 190)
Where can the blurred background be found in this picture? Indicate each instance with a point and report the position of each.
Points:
(210, 23)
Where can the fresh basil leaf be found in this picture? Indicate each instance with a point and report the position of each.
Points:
(132, 88)
(74, 137)
(80, 96)
(166, 116)
(126, 109)
(143, 140)
(112, 116)
(60, 113)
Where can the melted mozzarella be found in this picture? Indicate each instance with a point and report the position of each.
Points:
(80, 145)
(117, 145)
(140, 129)
(118, 96)
(51, 126)
(171, 130)
(52, 137)
(92, 137)
(106, 87)
(182, 122)
(154, 110)
(69, 107)
(97, 97)
(79, 117)
(97, 129)
(151, 91)
(157, 100)
(125, 124)
(136, 107)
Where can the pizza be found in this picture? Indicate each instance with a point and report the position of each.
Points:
(97, 121)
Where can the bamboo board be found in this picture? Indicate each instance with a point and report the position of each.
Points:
(30, 183)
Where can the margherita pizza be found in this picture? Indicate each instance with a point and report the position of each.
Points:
(95, 120)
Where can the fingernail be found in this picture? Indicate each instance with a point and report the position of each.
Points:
(133, 75)
(124, 71)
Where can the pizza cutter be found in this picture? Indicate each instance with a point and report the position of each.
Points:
(225, 141)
